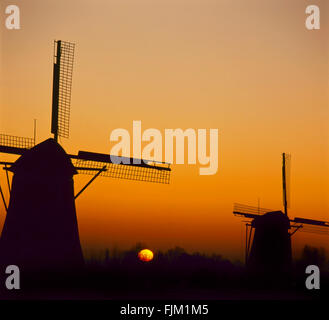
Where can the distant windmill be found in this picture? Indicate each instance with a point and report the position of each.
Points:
(41, 228)
(268, 235)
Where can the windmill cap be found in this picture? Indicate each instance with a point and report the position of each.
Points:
(273, 218)
(46, 158)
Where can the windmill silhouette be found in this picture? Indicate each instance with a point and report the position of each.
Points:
(41, 229)
(268, 232)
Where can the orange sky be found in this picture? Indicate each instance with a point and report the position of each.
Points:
(248, 68)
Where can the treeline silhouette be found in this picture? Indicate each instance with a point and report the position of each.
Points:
(174, 274)
(170, 272)
(179, 274)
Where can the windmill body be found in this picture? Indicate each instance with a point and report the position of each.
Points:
(41, 229)
(271, 247)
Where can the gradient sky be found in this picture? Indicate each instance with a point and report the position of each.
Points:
(249, 68)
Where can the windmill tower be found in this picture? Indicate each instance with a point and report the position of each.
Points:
(41, 229)
(268, 232)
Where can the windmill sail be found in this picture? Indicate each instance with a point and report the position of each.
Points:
(62, 84)
(286, 158)
(15, 145)
(122, 167)
(248, 211)
(311, 226)
(312, 222)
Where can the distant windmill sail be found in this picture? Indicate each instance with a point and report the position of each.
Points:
(248, 211)
(288, 175)
(286, 160)
(311, 225)
(62, 84)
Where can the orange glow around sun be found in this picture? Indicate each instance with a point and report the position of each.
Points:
(145, 255)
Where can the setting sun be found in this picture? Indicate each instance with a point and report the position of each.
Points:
(145, 255)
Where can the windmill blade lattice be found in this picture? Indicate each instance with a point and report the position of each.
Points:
(122, 167)
(245, 210)
(314, 229)
(62, 85)
(16, 142)
(121, 171)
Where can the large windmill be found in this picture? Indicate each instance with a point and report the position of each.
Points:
(268, 232)
(41, 228)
